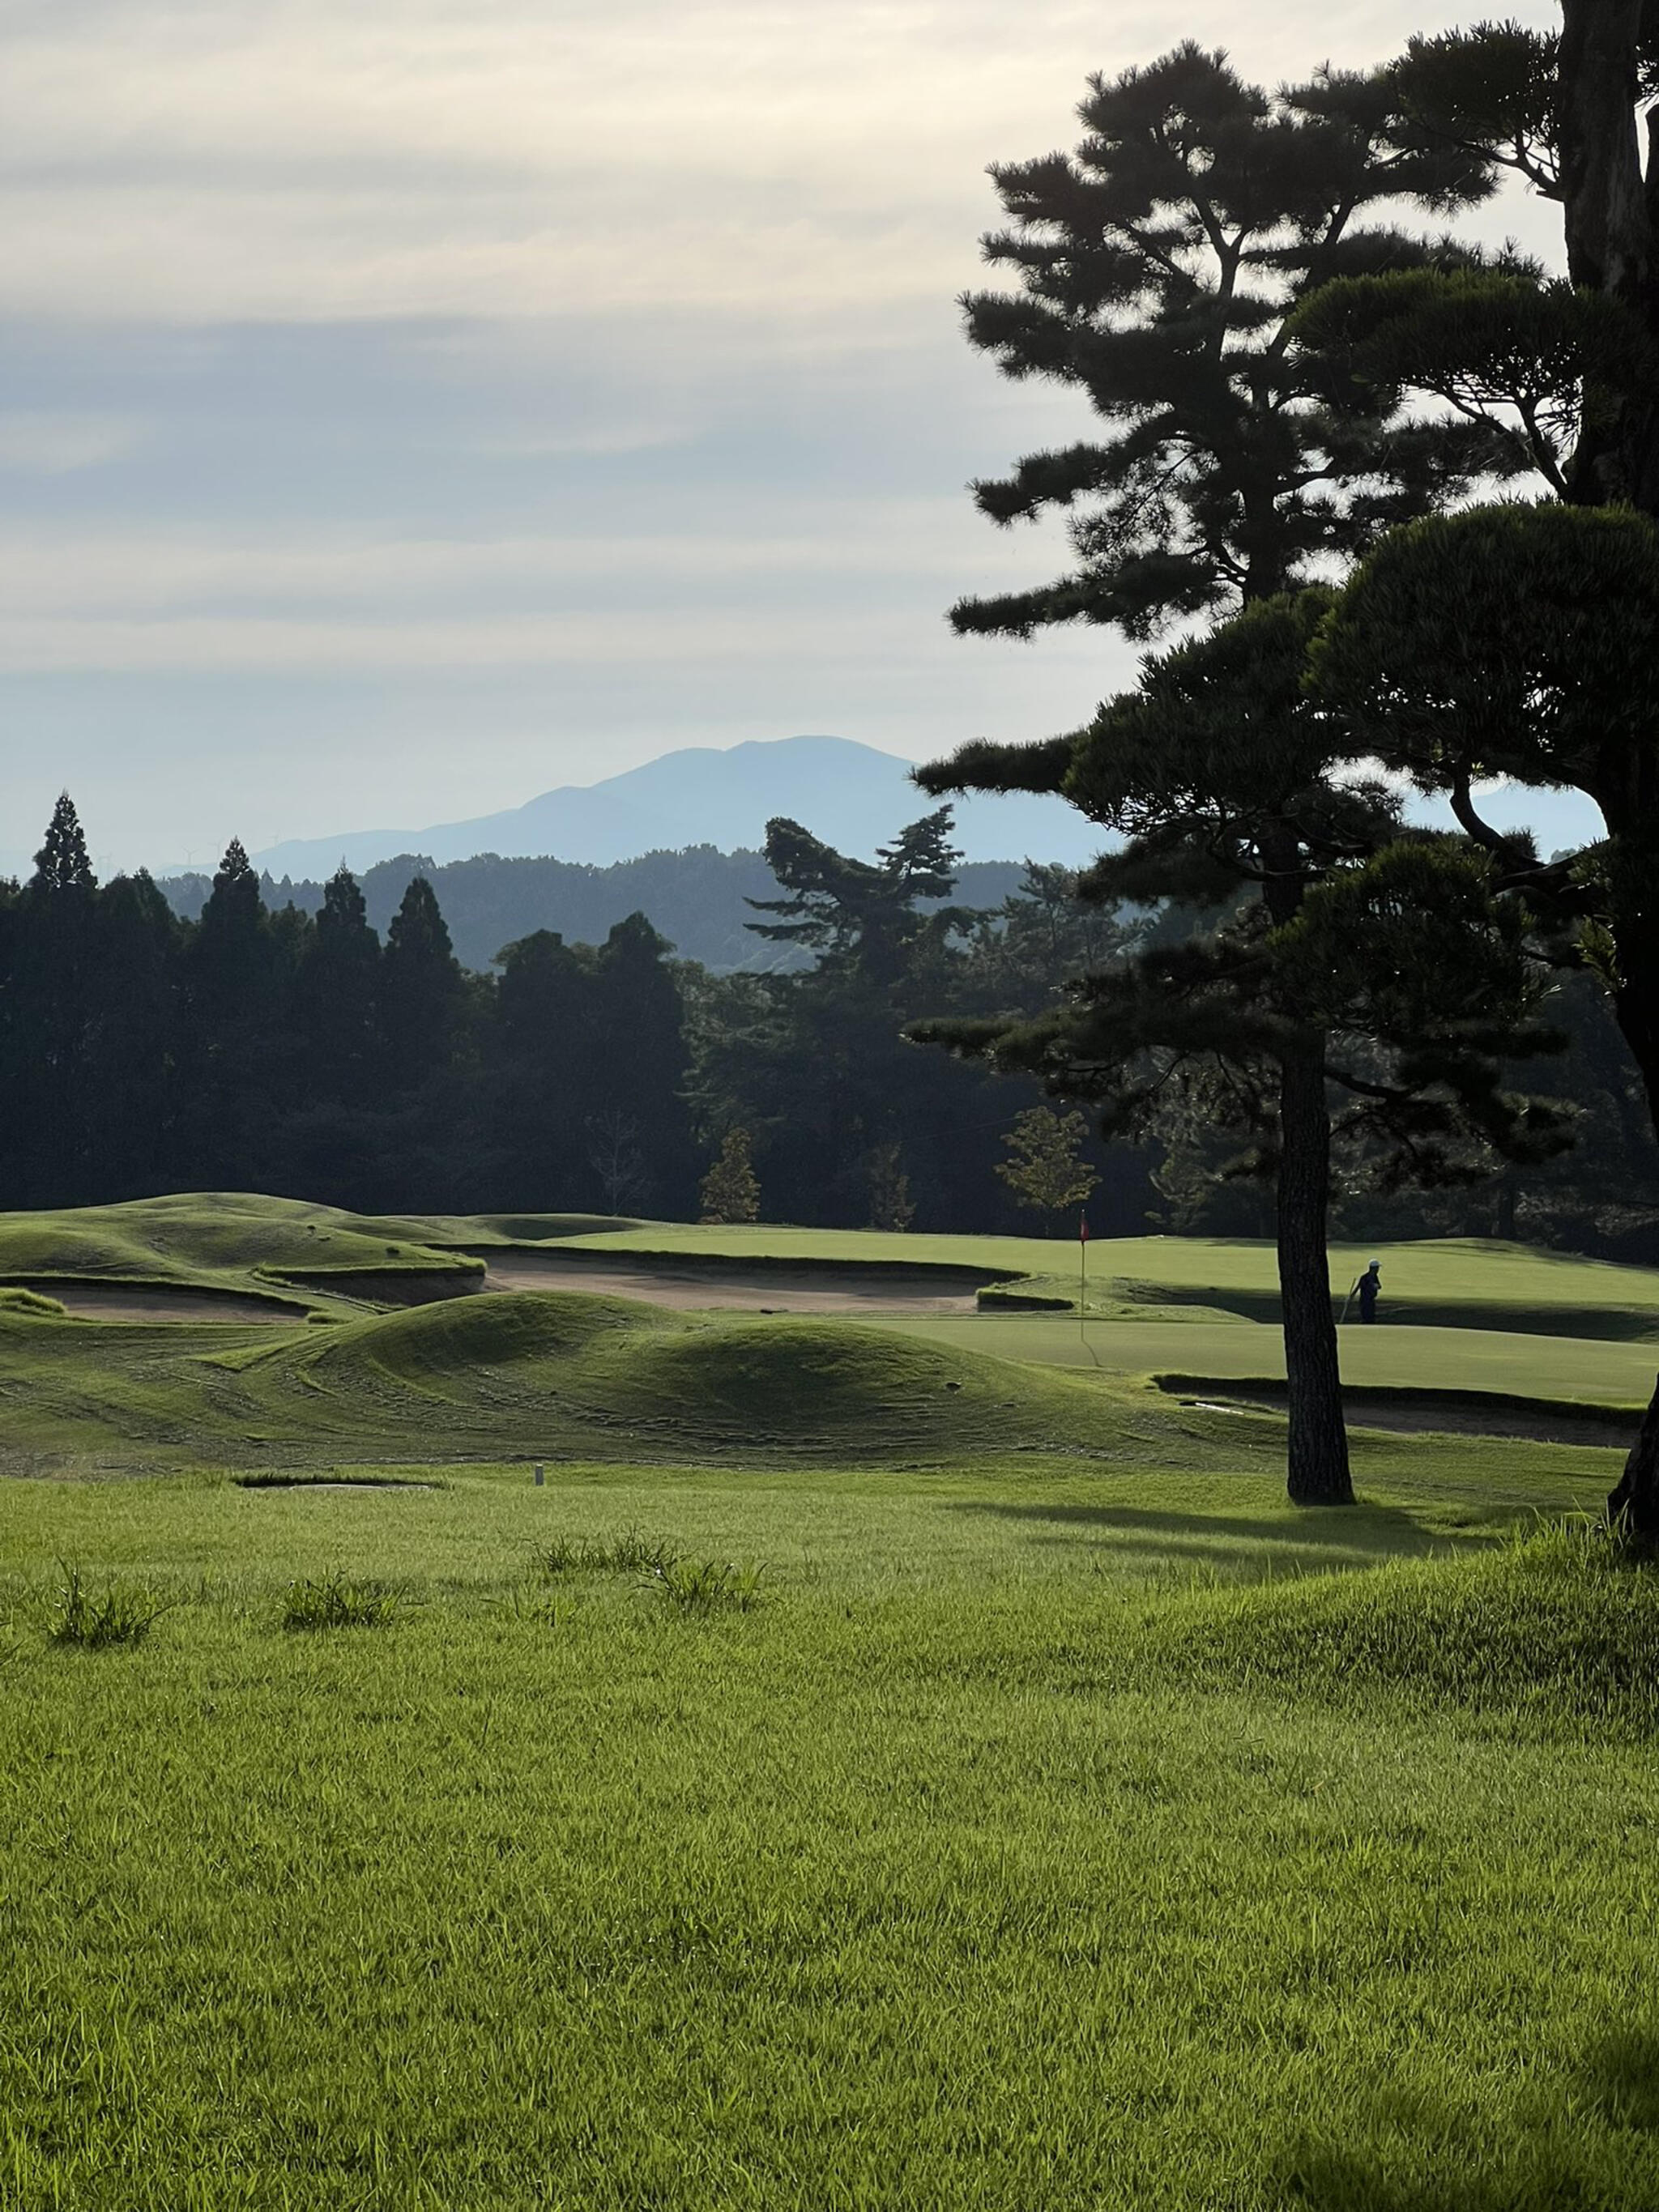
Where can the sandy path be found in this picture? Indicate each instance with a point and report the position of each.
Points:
(803, 1290)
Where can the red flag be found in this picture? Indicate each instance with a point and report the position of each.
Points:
(1083, 1229)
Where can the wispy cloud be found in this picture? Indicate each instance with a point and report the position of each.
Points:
(595, 365)
(42, 443)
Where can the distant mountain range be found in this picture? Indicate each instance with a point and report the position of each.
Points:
(852, 796)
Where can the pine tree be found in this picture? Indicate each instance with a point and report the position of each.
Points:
(1523, 641)
(1161, 269)
(1045, 1169)
(1568, 111)
(730, 1191)
(1221, 773)
(1157, 267)
(891, 1208)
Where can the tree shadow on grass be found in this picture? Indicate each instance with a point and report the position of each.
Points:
(1355, 1532)
(1584, 2137)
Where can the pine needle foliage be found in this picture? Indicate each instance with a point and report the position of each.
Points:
(730, 1189)
(1157, 268)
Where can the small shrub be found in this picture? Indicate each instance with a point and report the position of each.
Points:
(338, 1601)
(705, 1585)
(120, 1612)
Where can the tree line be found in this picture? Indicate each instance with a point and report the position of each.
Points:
(697, 897)
(261, 1047)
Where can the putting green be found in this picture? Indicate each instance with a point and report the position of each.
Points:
(1577, 1370)
(1446, 1282)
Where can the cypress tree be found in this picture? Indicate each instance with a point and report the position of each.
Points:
(62, 866)
(336, 992)
(421, 989)
(50, 1011)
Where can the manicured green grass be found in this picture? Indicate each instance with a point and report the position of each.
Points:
(219, 1240)
(1591, 1371)
(550, 1376)
(1466, 1282)
(1047, 1834)
(334, 1260)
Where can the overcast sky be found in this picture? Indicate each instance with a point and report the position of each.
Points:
(406, 409)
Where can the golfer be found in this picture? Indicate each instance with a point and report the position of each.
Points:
(1368, 1290)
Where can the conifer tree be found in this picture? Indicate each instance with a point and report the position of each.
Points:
(1523, 641)
(891, 1206)
(1219, 772)
(421, 990)
(51, 1014)
(730, 1191)
(1045, 1169)
(1160, 269)
(337, 992)
(62, 866)
(1157, 267)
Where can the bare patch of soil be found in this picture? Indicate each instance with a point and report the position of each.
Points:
(688, 1285)
(331, 1482)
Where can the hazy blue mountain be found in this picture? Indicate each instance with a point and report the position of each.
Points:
(851, 795)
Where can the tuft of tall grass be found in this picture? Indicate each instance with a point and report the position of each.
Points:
(687, 1585)
(705, 1585)
(121, 1612)
(630, 1554)
(339, 1600)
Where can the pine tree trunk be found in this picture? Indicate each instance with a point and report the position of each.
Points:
(1635, 1500)
(1318, 1471)
(1504, 1226)
(1635, 1007)
(1609, 216)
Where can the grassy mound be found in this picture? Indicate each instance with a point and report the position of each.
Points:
(564, 1374)
(806, 1384)
(31, 1304)
(1555, 1626)
(446, 1346)
(215, 1240)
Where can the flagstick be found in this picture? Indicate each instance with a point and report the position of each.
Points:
(1082, 1278)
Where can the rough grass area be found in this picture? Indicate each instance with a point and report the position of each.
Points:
(1045, 1836)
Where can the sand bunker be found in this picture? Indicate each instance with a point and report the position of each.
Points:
(689, 1285)
(153, 1301)
(1438, 1414)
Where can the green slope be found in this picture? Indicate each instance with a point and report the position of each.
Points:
(549, 1375)
(221, 1240)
